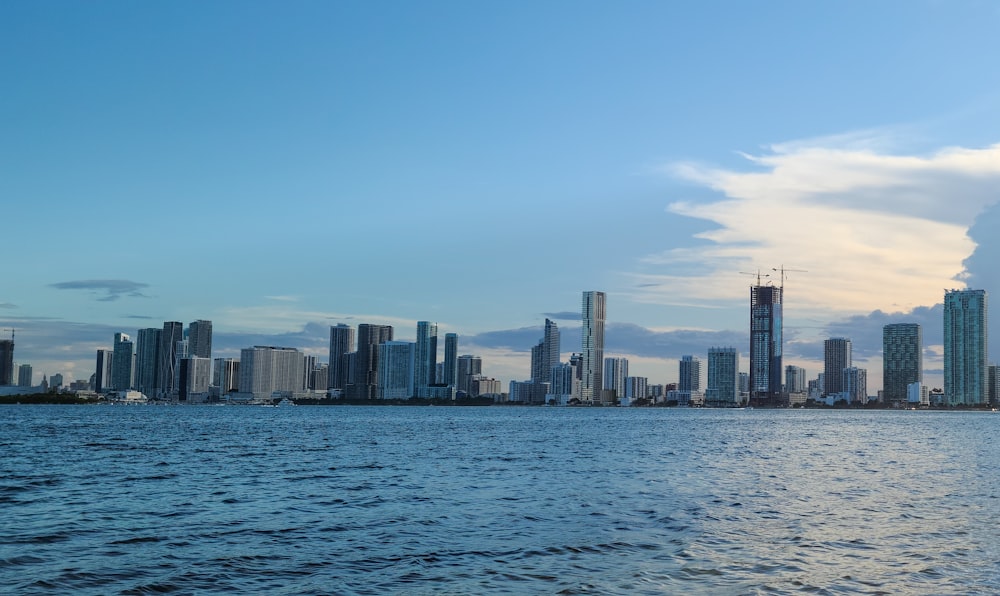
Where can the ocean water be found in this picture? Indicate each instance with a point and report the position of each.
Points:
(440, 500)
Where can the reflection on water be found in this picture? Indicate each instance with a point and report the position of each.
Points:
(482, 500)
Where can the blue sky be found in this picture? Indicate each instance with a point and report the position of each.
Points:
(280, 167)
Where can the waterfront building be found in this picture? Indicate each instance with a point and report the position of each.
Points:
(836, 358)
(855, 383)
(123, 363)
(364, 385)
(615, 375)
(194, 378)
(170, 337)
(267, 369)
(200, 339)
(593, 317)
(965, 347)
(449, 368)
(546, 354)
(469, 367)
(341, 344)
(689, 374)
(226, 375)
(795, 379)
(565, 384)
(765, 345)
(635, 388)
(902, 361)
(993, 384)
(723, 386)
(396, 369)
(102, 376)
(147, 360)
(425, 358)
(528, 392)
(483, 386)
(7, 361)
(24, 375)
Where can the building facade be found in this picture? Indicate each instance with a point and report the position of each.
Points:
(723, 386)
(341, 344)
(594, 314)
(766, 322)
(902, 361)
(965, 348)
(836, 358)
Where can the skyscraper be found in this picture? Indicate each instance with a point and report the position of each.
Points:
(102, 376)
(266, 369)
(615, 375)
(341, 344)
(723, 386)
(147, 360)
(24, 375)
(855, 382)
(965, 347)
(366, 360)
(795, 379)
(765, 345)
(594, 313)
(200, 339)
(170, 337)
(902, 361)
(425, 357)
(396, 365)
(123, 364)
(546, 354)
(450, 368)
(689, 374)
(469, 368)
(7, 361)
(836, 358)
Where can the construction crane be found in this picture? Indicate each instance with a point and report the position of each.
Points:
(756, 274)
(783, 270)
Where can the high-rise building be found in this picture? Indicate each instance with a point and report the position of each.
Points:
(689, 374)
(147, 360)
(266, 369)
(123, 364)
(24, 375)
(469, 368)
(200, 339)
(341, 344)
(636, 388)
(902, 361)
(855, 383)
(765, 345)
(103, 374)
(795, 379)
(546, 353)
(194, 377)
(7, 361)
(965, 347)
(615, 375)
(449, 368)
(993, 383)
(170, 337)
(365, 385)
(836, 358)
(594, 313)
(396, 367)
(226, 375)
(723, 386)
(425, 357)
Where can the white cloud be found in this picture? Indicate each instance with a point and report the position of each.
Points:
(874, 230)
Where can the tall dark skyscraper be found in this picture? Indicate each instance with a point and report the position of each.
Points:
(450, 359)
(7, 361)
(594, 313)
(147, 360)
(104, 372)
(836, 358)
(546, 354)
(765, 345)
(469, 368)
(365, 384)
(172, 334)
(902, 360)
(123, 364)
(341, 344)
(200, 339)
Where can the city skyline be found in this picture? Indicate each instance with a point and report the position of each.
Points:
(193, 158)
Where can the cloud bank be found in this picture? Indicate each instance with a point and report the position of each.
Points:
(874, 231)
(113, 289)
